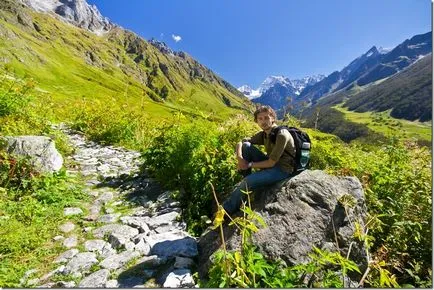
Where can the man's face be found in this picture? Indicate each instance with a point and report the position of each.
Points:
(264, 120)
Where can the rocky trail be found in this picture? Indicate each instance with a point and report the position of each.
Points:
(129, 234)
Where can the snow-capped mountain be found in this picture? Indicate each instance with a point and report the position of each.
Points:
(295, 86)
(249, 92)
(275, 90)
(76, 12)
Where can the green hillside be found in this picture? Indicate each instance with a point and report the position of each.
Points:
(71, 63)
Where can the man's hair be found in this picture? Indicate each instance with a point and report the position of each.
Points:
(267, 109)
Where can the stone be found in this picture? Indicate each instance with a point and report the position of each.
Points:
(183, 263)
(109, 218)
(58, 238)
(68, 211)
(136, 222)
(112, 284)
(40, 149)
(103, 248)
(164, 219)
(142, 247)
(63, 284)
(116, 261)
(172, 244)
(124, 230)
(97, 279)
(65, 256)
(178, 279)
(300, 213)
(67, 227)
(152, 261)
(81, 262)
(70, 242)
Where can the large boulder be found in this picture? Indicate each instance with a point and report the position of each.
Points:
(40, 149)
(300, 213)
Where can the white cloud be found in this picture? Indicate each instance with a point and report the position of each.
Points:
(161, 35)
(176, 37)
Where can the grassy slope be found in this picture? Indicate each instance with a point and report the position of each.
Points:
(390, 126)
(72, 64)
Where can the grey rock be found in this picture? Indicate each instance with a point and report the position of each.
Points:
(70, 242)
(67, 227)
(26, 275)
(81, 262)
(109, 218)
(103, 248)
(183, 263)
(65, 256)
(72, 211)
(300, 213)
(40, 149)
(142, 247)
(123, 230)
(164, 219)
(131, 282)
(105, 198)
(97, 279)
(178, 279)
(152, 261)
(112, 284)
(118, 260)
(172, 244)
(58, 238)
(63, 284)
(33, 282)
(136, 222)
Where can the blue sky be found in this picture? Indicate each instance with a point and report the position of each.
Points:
(244, 41)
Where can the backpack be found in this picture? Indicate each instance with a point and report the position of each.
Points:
(302, 147)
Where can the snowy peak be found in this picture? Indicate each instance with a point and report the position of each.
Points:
(295, 85)
(76, 12)
(249, 92)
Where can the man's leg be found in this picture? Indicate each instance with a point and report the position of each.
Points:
(252, 154)
(251, 182)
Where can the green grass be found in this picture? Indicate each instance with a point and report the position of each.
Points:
(382, 123)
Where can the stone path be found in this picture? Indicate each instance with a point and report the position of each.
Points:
(128, 236)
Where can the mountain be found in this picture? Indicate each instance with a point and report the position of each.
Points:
(275, 90)
(373, 65)
(76, 12)
(407, 94)
(96, 59)
(249, 92)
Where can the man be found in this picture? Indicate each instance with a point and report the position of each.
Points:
(276, 165)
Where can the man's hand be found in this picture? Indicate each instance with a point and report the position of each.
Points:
(242, 164)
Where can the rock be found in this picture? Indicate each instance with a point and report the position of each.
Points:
(103, 248)
(81, 262)
(124, 230)
(63, 284)
(172, 244)
(112, 284)
(47, 276)
(26, 275)
(178, 279)
(72, 211)
(58, 238)
(152, 261)
(65, 256)
(164, 219)
(40, 149)
(70, 242)
(67, 227)
(109, 218)
(97, 279)
(300, 213)
(136, 222)
(183, 263)
(116, 261)
(142, 247)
